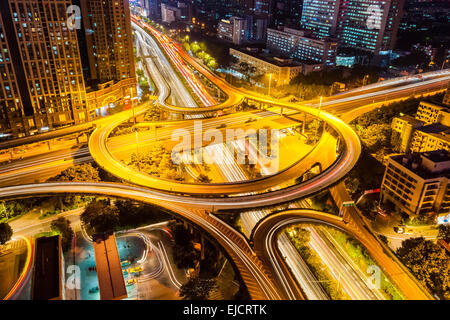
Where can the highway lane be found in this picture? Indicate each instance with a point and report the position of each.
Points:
(165, 79)
(264, 238)
(253, 273)
(234, 173)
(108, 162)
(300, 270)
(440, 80)
(353, 281)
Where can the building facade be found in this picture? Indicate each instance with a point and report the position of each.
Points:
(234, 30)
(287, 13)
(433, 113)
(429, 138)
(298, 45)
(281, 70)
(321, 17)
(404, 127)
(170, 14)
(418, 184)
(109, 39)
(369, 25)
(42, 80)
(429, 130)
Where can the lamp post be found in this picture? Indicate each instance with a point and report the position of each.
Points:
(320, 105)
(136, 131)
(270, 82)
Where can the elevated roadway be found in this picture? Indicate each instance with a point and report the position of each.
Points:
(258, 281)
(265, 234)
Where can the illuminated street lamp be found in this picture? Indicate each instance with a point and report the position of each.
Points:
(320, 105)
(270, 82)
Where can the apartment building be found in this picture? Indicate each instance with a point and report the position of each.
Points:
(282, 70)
(418, 183)
(41, 82)
(429, 130)
(299, 44)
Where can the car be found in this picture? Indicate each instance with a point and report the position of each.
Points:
(399, 229)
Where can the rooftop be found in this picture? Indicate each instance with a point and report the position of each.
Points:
(437, 130)
(280, 62)
(427, 165)
(410, 119)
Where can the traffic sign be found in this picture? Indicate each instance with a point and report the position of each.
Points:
(348, 203)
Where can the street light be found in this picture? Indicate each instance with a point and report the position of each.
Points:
(320, 105)
(270, 82)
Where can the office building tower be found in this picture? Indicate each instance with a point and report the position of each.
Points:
(234, 30)
(109, 40)
(321, 16)
(41, 79)
(287, 13)
(369, 25)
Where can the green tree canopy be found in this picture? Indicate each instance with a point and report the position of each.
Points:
(197, 289)
(5, 232)
(429, 262)
(100, 216)
(185, 256)
(62, 226)
(80, 173)
(444, 232)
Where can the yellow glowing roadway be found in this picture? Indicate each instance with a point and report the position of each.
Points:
(265, 233)
(258, 281)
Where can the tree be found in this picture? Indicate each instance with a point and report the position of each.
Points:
(245, 67)
(195, 47)
(186, 46)
(80, 173)
(429, 262)
(197, 289)
(140, 73)
(5, 232)
(62, 226)
(204, 178)
(444, 232)
(417, 58)
(100, 216)
(185, 256)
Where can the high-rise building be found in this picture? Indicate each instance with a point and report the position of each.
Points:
(153, 8)
(170, 14)
(287, 13)
(109, 39)
(234, 30)
(41, 81)
(370, 25)
(321, 17)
